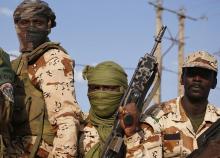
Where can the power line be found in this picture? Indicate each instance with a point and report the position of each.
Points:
(209, 4)
(217, 53)
(128, 68)
(181, 16)
(173, 11)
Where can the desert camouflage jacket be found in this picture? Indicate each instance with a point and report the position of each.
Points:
(88, 138)
(168, 132)
(52, 73)
(145, 143)
(178, 135)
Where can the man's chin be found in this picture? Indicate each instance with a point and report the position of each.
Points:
(196, 97)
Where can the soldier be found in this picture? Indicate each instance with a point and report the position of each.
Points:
(107, 83)
(6, 100)
(46, 115)
(183, 119)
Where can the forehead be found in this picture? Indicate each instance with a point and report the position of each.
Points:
(198, 70)
(34, 17)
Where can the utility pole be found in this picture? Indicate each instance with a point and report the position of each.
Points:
(181, 16)
(159, 9)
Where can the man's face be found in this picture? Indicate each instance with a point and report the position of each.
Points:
(32, 31)
(93, 88)
(35, 21)
(197, 82)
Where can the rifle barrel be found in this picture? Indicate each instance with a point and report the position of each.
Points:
(158, 39)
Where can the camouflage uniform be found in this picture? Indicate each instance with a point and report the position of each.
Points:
(46, 115)
(145, 143)
(175, 128)
(90, 136)
(178, 135)
(6, 101)
(52, 74)
(104, 102)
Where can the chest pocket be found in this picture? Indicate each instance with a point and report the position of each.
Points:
(172, 144)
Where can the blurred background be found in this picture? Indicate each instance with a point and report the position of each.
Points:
(123, 31)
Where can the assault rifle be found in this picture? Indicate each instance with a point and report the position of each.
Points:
(213, 132)
(139, 85)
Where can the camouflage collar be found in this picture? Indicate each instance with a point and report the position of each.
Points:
(212, 112)
(179, 114)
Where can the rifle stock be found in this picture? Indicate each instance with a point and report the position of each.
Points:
(139, 85)
(213, 132)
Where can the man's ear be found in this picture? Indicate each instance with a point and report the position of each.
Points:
(181, 79)
(214, 83)
(182, 76)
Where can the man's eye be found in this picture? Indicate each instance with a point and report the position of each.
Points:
(37, 22)
(23, 23)
(96, 88)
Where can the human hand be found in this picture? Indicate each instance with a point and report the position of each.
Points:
(129, 119)
(7, 91)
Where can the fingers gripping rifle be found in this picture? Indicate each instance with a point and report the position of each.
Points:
(139, 85)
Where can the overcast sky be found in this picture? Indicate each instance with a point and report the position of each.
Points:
(93, 31)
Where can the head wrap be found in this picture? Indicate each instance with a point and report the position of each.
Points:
(31, 37)
(106, 73)
(30, 8)
(104, 103)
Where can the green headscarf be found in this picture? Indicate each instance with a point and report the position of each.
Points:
(106, 73)
(6, 73)
(104, 103)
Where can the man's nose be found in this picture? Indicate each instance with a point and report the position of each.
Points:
(197, 77)
(32, 23)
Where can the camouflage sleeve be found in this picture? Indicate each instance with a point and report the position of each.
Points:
(88, 138)
(55, 79)
(145, 143)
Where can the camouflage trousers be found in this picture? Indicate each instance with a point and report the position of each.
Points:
(21, 147)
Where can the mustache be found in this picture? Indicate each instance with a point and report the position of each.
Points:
(196, 85)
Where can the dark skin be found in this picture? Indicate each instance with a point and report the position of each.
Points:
(197, 84)
(93, 87)
(130, 109)
(35, 21)
(32, 31)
